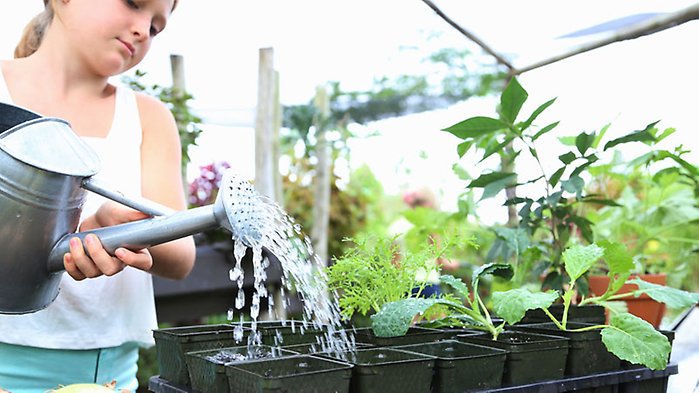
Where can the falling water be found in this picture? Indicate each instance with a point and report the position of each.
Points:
(258, 223)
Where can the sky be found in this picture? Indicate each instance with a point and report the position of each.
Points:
(627, 85)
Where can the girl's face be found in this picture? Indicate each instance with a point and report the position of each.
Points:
(112, 36)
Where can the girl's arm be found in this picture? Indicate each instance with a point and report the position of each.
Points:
(162, 182)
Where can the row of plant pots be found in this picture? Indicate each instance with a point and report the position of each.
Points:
(207, 359)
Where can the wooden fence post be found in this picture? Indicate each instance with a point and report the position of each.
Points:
(264, 125)
(322, 179)
(267, 124)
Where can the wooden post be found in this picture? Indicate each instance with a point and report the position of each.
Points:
(278, 194)
(264, 125)
(177, 67)
(267, 124)
(321, 205)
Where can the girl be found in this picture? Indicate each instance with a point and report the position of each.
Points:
(105, 310)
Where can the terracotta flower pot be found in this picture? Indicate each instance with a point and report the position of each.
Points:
(643, 306)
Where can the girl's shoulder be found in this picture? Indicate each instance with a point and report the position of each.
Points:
(153, 113)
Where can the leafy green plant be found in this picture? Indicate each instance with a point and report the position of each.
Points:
(467, 310)
(547, 222)
(367, 276)
(626, 336)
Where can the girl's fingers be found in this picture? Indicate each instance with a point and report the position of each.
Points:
(141, 259)
(104, 262)
(81, 260)
(71, 269)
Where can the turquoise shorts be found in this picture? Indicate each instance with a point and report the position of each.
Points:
(37, 370)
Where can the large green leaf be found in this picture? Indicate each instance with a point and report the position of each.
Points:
(635, 340)
(394, 318)
(511, 101)
(672, 297)
(513, 304)
(475, 127)
(579, 259)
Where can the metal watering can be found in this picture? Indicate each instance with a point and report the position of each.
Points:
(45, 170)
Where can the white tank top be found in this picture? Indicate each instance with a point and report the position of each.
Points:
(105, 311)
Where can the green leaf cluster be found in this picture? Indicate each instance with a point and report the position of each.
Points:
(463, 308)
(626, 336)
(370, 274)
(555, 218)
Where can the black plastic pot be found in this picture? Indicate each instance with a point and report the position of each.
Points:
(415, 335)
(388, 370)
(531, 357)
(294, 374)
(586, 352)
(172, 345)
(592, 313)
(207, 369)
(461, 366)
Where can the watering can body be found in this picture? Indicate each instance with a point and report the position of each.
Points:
(45, 171)
(37, 207)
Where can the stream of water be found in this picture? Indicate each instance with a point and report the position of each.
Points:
(261, 225)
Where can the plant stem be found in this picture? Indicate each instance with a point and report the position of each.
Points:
(555, 321)
(588, 328)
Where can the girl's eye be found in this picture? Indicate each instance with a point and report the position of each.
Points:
(154, 31)
(131, 4)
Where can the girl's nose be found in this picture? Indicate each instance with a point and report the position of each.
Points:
(141, 28)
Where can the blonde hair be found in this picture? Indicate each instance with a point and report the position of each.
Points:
(33, 33)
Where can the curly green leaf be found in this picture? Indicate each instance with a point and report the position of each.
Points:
(455, 283)
(395, 318)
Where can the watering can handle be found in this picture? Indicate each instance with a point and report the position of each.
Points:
(146, 206)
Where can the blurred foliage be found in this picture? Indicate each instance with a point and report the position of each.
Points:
(658, 217)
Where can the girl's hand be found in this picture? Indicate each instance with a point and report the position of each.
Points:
(91, 260)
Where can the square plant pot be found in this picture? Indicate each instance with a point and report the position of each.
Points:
(531, 357)
(207, 369)
(586, 351)
(172, 345)
(591, 313)
(414, 335)
(461, 366)
(388, 370)
(293, 374)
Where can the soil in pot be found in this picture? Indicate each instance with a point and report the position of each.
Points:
(461, 366)
(293, 374)
(643, 306)
(207, 369)
(531, 357)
